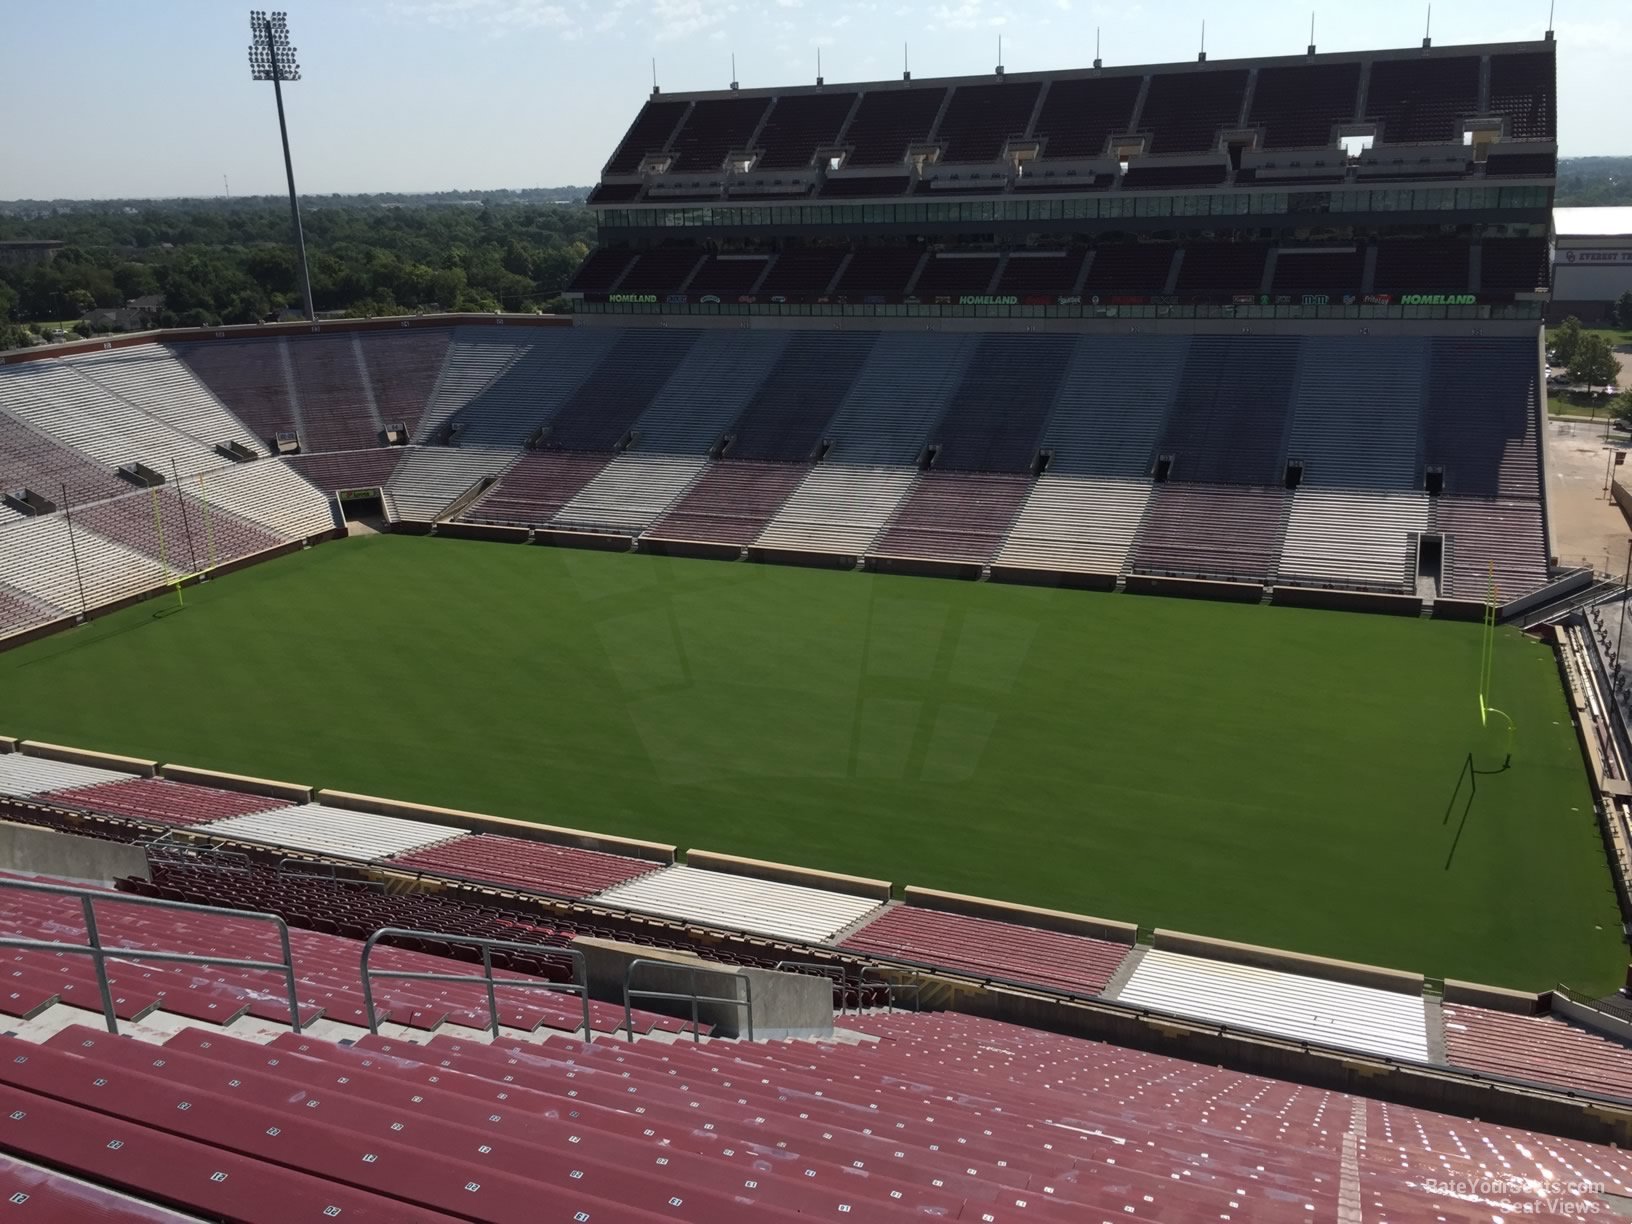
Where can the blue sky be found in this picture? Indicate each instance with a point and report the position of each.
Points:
(114, 98)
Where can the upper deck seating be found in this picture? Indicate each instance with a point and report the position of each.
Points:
(1420, 101)
(798, 125)
(1300, 106)
(889, 120)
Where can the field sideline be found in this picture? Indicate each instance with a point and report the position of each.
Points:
(1263, 774)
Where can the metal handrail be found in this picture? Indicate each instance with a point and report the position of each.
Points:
(860, 980)
(746, 1002)
(578, 986)
(175, 849)
(309, 869)
(916, 987)
(99, 953)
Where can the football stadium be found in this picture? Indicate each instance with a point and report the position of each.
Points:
(1003, 663)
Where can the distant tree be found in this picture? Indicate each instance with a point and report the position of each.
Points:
(136, 280)
(1623, 309)
(1620, 409)
(81, 300)
(1565, 337)
(1594, 364)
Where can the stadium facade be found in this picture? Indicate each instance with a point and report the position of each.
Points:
(1410, 184)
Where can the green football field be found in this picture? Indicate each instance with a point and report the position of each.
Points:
(1279, 776)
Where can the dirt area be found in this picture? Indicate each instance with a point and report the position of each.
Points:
(1587, 527)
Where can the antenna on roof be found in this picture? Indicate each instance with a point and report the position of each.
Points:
(1098, 63)
(733, 70)
(1202, 57)
(1000, 55)
(655, 89)
(818, 65)
(1427, 26)
(906, 69)
(1549, 21)
(1311, 31)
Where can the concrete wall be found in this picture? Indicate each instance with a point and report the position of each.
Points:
(483, 531)
(1496, 998)
(922, 567)
(1020, 576)
(84, 756)
(1027, 915)
(1290, 962)
(1602, 1023)
(802, 556)
(1458, 610)
(48, 852)
(1195, 588)
(783, 1005)
(596, 540)
(859, 886)
(251, 331)
(294, 792)
(477, 822)
(1347, 601)
(702, 550)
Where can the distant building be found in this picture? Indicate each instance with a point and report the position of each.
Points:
(22, 251)
(119, 318)
(1592, 260)
(148, 303)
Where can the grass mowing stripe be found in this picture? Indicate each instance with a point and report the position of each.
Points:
(1266, 774)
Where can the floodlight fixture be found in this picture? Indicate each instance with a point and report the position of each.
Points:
(272, 58)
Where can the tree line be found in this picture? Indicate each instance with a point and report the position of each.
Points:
(216, 265)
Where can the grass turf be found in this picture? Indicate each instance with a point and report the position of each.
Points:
(1264, 774)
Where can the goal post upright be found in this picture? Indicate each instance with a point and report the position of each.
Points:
(1487, 667)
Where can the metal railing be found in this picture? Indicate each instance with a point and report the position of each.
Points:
(915, 987)
(865, 977)
(99, 953)
(178, 850)
(578, 986)
(746, 1002)
(328, 873)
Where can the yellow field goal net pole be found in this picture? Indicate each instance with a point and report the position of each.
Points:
(209, 526)
(176, 580)
(1487, 668)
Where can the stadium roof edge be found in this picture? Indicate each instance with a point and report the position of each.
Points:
(1056, 74)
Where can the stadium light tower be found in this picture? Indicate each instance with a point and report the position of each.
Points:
(271, 58)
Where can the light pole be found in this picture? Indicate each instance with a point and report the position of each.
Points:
(271, 58)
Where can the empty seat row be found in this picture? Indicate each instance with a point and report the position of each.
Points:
(1011, 951)
(789, 911)
(1391, 1023)
(322, 829)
